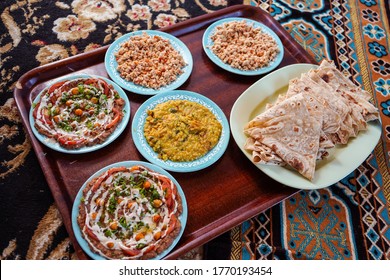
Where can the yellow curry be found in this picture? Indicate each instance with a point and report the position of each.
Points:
(181, 130)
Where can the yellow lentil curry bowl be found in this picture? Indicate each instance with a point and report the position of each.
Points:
(181, 130)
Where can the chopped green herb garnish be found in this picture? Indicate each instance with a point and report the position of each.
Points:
(80, 88)
(65, 126)
(155, 194)
(112, 203)
(123, 223)
(138, 226)
(89, 125)
(141, 245)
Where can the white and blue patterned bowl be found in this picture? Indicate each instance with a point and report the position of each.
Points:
(52, 144)
(111, 64)
(208, 43)
(75, 208)
(146, 150)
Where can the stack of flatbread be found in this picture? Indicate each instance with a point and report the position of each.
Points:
(320, 109)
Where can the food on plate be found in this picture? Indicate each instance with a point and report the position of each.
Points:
(320, 109)
(78, 112)
(149, 61)
(291, 132)
(181, 130)
(243, 46)
(130, 213)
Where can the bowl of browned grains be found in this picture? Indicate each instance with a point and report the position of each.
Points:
(148, 62)
(243, 46)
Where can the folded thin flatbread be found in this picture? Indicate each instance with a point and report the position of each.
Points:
(348, 125)
(318, 103)
(357, 98)
(320, 109)
(289, 131)
(262, 153)
(342, 81)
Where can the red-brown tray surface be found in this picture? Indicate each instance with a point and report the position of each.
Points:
(219, 197)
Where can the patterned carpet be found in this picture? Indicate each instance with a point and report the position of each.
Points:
(349, 220)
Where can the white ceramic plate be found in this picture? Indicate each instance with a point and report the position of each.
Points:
(137, 131)
(75, 209)
(56, 146)
(207, 43)
(111, 64)
(343, 159)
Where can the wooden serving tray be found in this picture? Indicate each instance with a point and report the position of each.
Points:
(219, 197)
